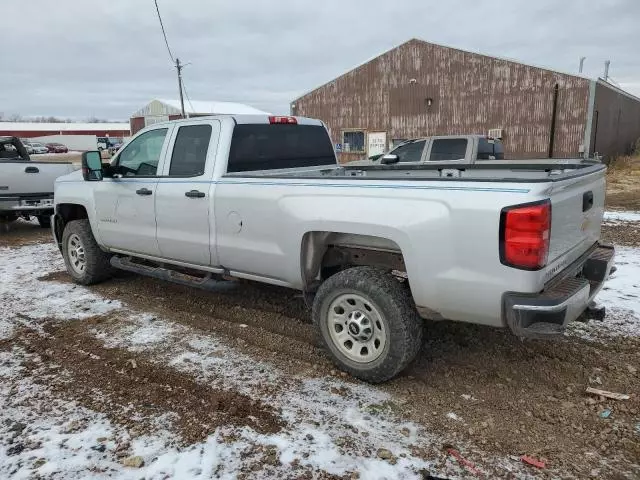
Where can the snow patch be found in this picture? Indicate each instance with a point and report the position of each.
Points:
(619, 216)
(27, 300)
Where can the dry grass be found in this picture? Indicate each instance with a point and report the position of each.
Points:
(623, 182)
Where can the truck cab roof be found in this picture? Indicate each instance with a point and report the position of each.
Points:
(243, 119)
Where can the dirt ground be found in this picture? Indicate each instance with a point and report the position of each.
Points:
(469, 386)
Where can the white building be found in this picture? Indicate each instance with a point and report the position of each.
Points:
(161, 110)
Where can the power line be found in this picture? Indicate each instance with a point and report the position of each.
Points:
(163, 32)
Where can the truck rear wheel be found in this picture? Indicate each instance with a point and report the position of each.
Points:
(85, 262)
(368, 323)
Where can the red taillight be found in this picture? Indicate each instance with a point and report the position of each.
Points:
(524, 235)
(282, 119)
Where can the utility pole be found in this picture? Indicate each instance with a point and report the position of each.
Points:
(179, 67)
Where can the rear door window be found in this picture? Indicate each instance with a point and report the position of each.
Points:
(409, 152)
(490, 149)
(273, 146)
(189, 154)
(448, 149)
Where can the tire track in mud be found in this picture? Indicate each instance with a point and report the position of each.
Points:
(276, 324)
(112, 380)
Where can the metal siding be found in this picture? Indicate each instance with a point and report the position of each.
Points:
(471, 93)
(618, 121)
(137, 124)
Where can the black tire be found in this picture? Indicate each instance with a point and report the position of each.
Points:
(44, 221)
(392, 300)
(97, 266)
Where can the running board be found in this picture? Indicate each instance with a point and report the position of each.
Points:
(208, 282)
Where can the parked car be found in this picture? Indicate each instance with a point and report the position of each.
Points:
(38, 148)
(27, 145)
(26, 187)
(374, 249)
(115, 147)
(56, 148)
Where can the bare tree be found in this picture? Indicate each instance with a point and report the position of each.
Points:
(95, 119)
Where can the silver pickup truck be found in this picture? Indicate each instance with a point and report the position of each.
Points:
(375, 248)
(444, 148)
(26, 187)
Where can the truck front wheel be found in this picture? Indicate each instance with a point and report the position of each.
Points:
(85, 262)
(368, 323)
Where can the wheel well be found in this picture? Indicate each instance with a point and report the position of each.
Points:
(66, 212)
(71, 211)
(326, 253)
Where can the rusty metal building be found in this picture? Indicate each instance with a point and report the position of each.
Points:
(420, 89)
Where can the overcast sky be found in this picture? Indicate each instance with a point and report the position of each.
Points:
(107, 58)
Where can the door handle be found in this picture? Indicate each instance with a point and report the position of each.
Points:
(144, 191)
(31, 170)
(587, 201)
(194, 194)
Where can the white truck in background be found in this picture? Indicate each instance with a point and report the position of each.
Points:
(375, 248)
(26, 187)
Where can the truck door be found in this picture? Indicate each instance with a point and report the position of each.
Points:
(184, 201)
(125, 204)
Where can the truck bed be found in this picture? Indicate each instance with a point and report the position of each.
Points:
(528, 172)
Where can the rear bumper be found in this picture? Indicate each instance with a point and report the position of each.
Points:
(547, 314)
(26, 205)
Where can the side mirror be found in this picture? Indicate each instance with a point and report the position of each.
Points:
(92, 166)
(390, 159)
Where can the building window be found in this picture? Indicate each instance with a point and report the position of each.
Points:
(353, 141)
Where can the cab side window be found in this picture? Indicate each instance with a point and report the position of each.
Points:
(448, 149)
(190, 151)
(141, 156)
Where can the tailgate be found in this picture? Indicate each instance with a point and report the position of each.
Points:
(577, 207)
(30, 177)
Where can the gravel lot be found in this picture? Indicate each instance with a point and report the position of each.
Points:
(136, 378)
